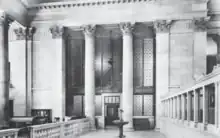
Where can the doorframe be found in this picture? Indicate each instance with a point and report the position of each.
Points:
(104, 105)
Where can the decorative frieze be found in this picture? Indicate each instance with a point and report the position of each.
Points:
(89, 30)
(200, 24)
(56, 31)
(85, 3)
(162, 25)
(126, 28)
(22, 33)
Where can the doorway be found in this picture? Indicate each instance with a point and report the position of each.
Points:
(111, 113)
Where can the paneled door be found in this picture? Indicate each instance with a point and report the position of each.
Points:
(112, 113)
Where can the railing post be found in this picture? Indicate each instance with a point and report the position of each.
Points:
(62, 129)
(205, 107)
(168, 103)
(174, 104)
(217, 104)
(178, 107)
(183, 107)
(196, 110)
(188, 106)
(171, 99)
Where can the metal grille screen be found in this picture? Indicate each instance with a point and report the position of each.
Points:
(143, 105)
(143, 64)
(148, 62)
(78, 105)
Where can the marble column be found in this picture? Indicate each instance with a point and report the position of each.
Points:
(196, 107)
(4, 78)
(89, 32)
(29, 32)
(127, 77)
(162, 29)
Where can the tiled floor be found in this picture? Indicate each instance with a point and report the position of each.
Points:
(113, 133)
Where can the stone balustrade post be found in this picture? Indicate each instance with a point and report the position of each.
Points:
(196, 107)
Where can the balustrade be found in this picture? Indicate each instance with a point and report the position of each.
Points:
(67, 129)
(198, 105)
(9, 133)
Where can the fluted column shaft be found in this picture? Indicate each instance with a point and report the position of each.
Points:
(4, 78)
(90, 73)
(127, 79)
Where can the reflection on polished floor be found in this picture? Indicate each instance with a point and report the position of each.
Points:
(113, 133)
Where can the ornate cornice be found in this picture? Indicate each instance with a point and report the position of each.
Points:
(22, 33)
(126, 28)
(56, 31)
(89, 30)
(162, 25)
(201, 24)
(84, 3)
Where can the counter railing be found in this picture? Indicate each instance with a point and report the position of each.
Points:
(200, 103)
(69, 129)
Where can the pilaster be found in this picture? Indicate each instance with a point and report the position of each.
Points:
(162, 29)
(200, 46)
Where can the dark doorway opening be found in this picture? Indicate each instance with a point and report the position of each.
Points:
(111, 113)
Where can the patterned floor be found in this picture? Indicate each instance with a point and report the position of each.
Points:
(113, 133)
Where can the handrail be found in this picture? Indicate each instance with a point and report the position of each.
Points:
(203, 81)
(8, 133)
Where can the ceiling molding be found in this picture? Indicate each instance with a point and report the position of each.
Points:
(88, 3)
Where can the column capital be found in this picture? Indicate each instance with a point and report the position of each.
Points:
(126, 28)
(162, 25)
(200, 24)
(30, 32)
(56, 31)
(88, 30)
(2, 16)
(22, 32)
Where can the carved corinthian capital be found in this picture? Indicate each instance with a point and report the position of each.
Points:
(162, 25)
(200, 24)
(89, 30)
(22, 33)
(30, 32)
(56, 31)
(126, 28)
